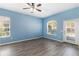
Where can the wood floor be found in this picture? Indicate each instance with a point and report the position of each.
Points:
(39, 47)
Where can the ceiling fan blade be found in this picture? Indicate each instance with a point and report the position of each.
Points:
(39, 10)
(29, 4)
(26, 8)
(38, 5)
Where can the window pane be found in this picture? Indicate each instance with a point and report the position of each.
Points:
(4, 26)
(52, 26)
(6, 29)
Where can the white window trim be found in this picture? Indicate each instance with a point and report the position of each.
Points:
(9, 28)
(47, 27)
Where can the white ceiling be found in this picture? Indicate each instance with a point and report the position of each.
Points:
(47, 8)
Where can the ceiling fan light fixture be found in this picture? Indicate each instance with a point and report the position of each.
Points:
(33, 7)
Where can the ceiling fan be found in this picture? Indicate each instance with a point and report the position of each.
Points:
(33, 6)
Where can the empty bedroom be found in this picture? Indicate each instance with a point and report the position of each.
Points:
(39, 29)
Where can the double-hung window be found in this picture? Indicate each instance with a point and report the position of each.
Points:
(4, 26)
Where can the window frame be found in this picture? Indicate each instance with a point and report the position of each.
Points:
(7, 27)
(47, 26)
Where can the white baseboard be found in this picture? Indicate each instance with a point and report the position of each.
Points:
(20, 40)
(54, 39)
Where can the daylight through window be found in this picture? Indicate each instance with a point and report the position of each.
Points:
(4, 26)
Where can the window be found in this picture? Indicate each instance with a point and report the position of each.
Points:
(51, 27)
(70, 30)
(70, 27)
(4, 26)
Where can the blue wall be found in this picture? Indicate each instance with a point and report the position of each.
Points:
(26, 27)
(22, 26)
(60, 17)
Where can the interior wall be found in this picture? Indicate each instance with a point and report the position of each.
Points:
(60, 17)
(23, 26)
(27, 27)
